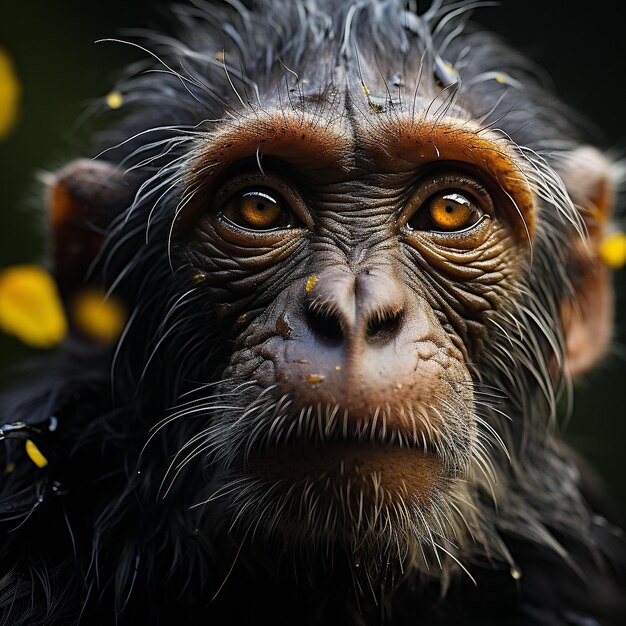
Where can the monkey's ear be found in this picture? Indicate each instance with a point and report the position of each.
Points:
(588, 317)
(83, 199)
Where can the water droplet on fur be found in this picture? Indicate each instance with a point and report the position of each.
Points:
(396, 80)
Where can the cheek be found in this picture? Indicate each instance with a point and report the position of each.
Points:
(466, 288)
(241, 275)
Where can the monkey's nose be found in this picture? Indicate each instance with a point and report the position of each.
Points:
(352, 343)
(351, 311)
(326, 324)
(330, 326)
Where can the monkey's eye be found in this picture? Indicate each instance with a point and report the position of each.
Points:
(258, 209)
(452, 211)
(448, 204)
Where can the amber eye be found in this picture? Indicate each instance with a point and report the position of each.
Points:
(258, 209)
(452, 211)
(446, 211)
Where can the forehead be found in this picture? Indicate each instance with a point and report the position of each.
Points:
(346, 76)
(370, 82)
(353, 65)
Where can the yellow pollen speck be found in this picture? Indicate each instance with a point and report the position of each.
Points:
(516, 573)
(311, 282)
(30, 306)
(10, 468)
(114, 100)
(612, 250)
(314, 378)
(199, 278)
(501, 78)
(366, 91)
(99, 316)
(35, 454)
(10, 91)
(338, 368)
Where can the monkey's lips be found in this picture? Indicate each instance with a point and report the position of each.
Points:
(370, 454)
(366, 467)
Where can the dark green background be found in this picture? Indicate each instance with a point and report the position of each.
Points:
(62, 71)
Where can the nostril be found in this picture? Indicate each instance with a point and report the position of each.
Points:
(384, 326)
(324, 324)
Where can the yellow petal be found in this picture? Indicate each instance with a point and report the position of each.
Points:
(98, 316)
(612, 250)
(114, 100)
(35, 454)
(9, 95)
(30, 307)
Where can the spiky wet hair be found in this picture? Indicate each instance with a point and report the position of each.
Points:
(97, 537)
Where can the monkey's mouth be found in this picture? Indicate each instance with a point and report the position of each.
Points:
(402, 456)
(340, 481)
(367, 468)
(321, 430)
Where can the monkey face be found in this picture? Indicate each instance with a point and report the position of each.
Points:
(358, 272)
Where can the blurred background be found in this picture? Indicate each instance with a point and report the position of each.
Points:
(61, 72)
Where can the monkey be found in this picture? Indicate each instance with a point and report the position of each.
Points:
(358, 245)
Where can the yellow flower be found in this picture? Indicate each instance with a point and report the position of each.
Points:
(30, 307)
(9, 95)
(612, 250)
(99, 316)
